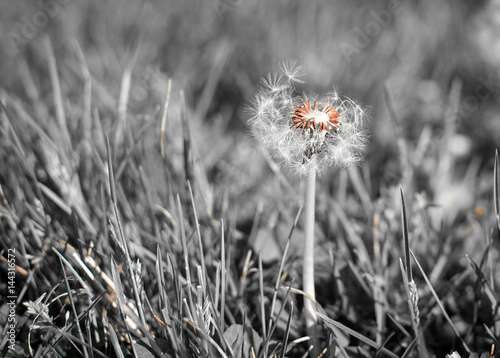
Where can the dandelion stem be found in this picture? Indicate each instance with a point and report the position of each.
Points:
(308, 269)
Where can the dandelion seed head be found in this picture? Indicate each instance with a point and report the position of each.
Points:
(294, 128)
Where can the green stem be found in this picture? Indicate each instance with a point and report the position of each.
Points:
(308, 269)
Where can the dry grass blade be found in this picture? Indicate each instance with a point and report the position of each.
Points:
(330, 322)
(440, 304)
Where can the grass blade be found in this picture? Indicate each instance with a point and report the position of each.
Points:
(496, 199)
(440, 304)
(330, 322)
(406, 239)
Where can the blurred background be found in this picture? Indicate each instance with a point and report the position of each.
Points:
(217, 50)
(427, 71)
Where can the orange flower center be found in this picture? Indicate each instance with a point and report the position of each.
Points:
(310, 118)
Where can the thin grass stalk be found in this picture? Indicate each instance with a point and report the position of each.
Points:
(261, 287)
(406, 240)
(185, 253)
(440, 304)
(164, 119)
(496, 198)
(73, 308)
(308, 269)
(223, 276)
(128, 260)
(330, 322)
(200, 241)
(287, 331)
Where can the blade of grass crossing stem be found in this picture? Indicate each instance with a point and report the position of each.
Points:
(440, 304)
(411, 347)
(386, 340)
(128, 261)
(330, 322)
(73, 308)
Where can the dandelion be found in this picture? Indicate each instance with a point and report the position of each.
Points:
(295, 129)
(306, 134)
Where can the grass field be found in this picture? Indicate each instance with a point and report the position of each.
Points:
(139, 217)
